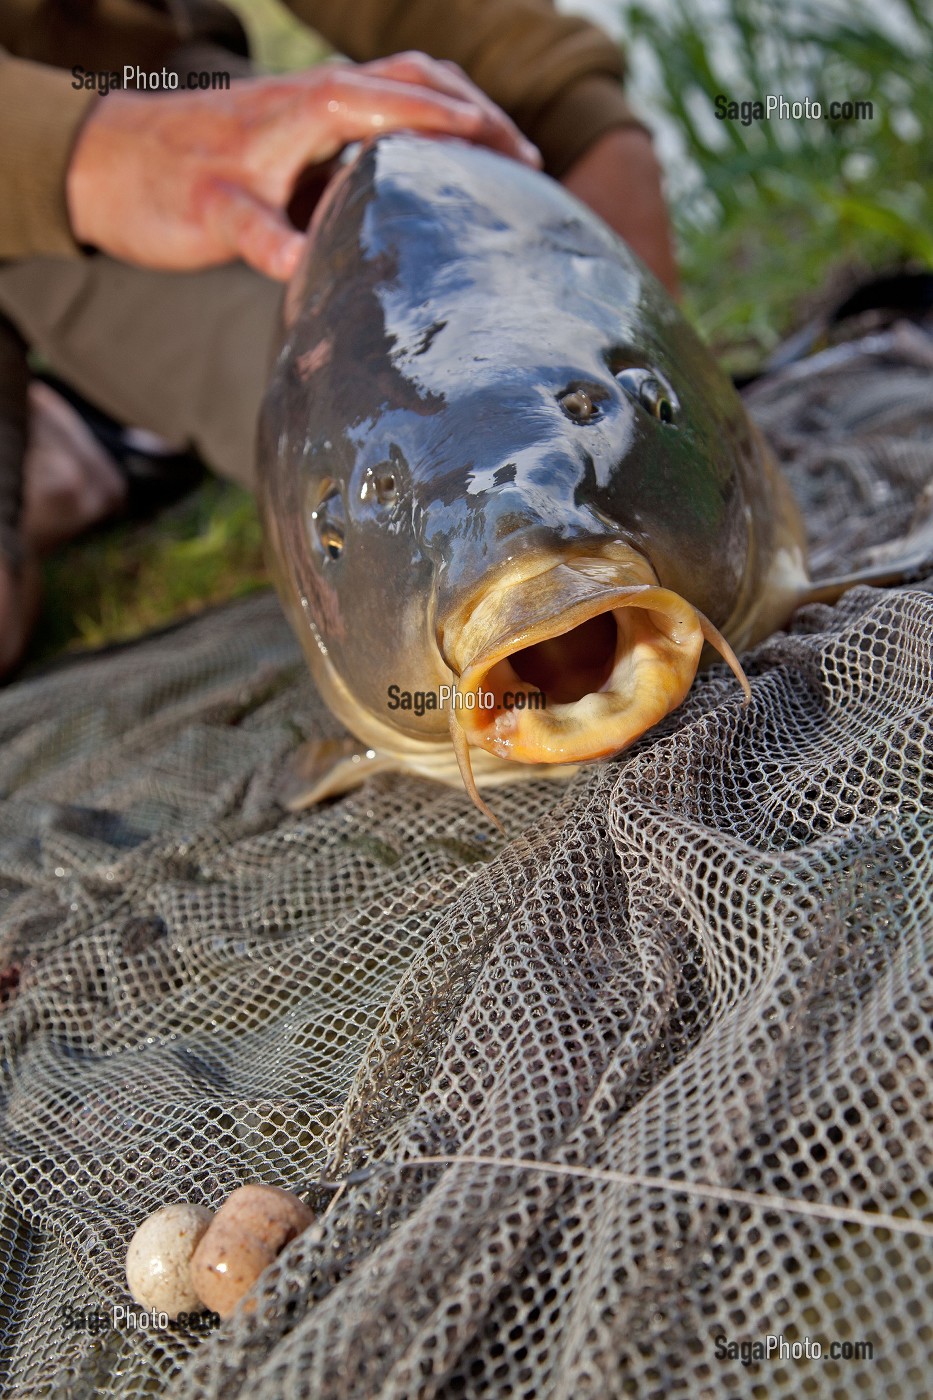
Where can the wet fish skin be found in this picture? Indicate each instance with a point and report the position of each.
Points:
(449, 304)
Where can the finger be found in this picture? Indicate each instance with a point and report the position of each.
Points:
(450, 79)
(447, 77)
(441, 74)
(249, 229)
(363, 104)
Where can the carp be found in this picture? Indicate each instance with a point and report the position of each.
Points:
(497, 466)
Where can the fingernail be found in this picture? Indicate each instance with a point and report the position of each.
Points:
(532, 155)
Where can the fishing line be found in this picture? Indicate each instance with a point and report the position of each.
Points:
(730, 1195)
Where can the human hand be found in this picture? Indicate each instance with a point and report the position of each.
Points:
(190, 180)
(619, 177)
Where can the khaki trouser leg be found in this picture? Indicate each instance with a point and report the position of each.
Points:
(186, 355)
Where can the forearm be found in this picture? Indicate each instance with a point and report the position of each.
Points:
(619, 177)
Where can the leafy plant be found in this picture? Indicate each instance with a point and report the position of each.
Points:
(777, 209)
(122, 581)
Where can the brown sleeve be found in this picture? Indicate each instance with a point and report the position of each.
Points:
(558, 76)
(40, 113)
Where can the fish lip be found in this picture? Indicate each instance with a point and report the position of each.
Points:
(619, 686)
(659, 638)
(473, 629)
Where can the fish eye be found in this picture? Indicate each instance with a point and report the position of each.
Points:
(383, 483)
(579, 405)
(651, 393)
(328, 521)
(386, 489)
(656, 401)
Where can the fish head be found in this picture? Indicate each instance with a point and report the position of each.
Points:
(495, 453)
(611, 534)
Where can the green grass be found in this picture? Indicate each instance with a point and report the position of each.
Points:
(279, 42)
(778, 213)
(784, 209)
(121, 582)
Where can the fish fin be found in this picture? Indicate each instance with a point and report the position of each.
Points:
(327, 768)
(323, 768)
(462, 751)
(904, 560)
(718, 642)
(832, 589)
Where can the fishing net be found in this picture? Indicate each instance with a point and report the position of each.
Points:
(705, 962)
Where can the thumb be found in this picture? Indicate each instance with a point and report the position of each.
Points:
(252, 230)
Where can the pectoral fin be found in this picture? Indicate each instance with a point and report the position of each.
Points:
(322, 768)
(327, 768)
(903, 560)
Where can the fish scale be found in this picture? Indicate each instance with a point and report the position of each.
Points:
(488, 426)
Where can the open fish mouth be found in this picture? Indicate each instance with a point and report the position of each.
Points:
(564, 667)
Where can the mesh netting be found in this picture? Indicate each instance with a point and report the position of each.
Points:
(708, 960)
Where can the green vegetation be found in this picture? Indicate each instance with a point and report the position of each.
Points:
(279, 42)
(777, 212)
(120, 582)
(783, 209)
